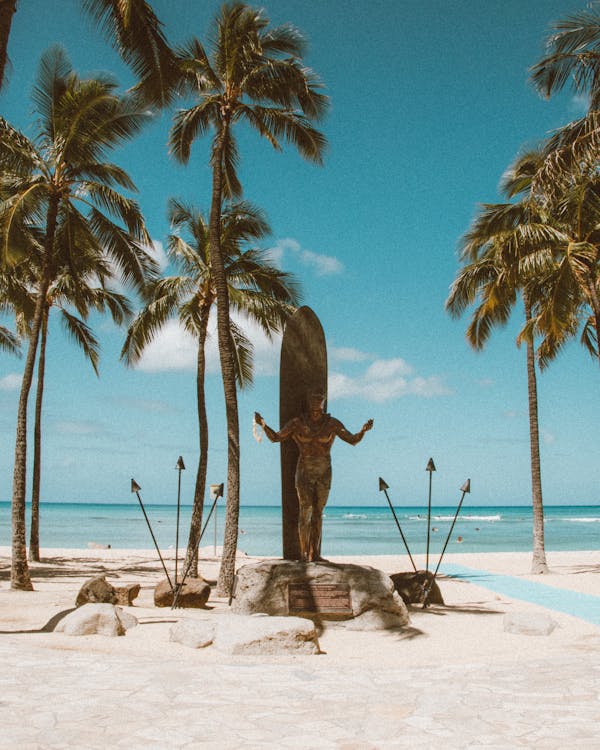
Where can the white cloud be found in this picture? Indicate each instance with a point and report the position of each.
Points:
(157, 251)
(174, 349)
(580, 103)
(11, 382)
(385, 369)
(77, 428)
(385, 380)
(547, 437)
(323, 265)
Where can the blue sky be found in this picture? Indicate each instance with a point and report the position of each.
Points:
(429, 104)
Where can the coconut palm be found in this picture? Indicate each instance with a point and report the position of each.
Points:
(256, 289)
(572, 58)
(134, 31)
(254, 74)
(62, 179)
(569, 294)
(507, 248)
(73, 292)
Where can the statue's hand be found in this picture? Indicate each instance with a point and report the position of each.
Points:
(258, 419)
(368, 426)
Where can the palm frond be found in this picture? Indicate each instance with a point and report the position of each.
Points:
(137, 34)
(9, 342)
(83, 336)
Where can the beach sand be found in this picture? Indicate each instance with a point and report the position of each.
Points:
(452, 677)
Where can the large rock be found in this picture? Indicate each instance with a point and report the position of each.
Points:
(126, 594)
(96, 619)
(96, 591)
(318, 590)
(193, 633)
(194, 593)
(411, 587)
(529, 623)
(249, 634)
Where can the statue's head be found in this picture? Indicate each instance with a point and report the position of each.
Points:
(316, 404)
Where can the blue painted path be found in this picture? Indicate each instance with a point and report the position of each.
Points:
(584, 606)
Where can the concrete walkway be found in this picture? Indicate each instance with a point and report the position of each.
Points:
(53, 698)
(584, 606)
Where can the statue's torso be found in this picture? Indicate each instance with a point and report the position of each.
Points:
(314, 439)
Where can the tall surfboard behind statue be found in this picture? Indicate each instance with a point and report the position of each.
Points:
(302, 371)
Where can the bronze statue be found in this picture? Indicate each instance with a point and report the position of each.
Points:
(314, 434)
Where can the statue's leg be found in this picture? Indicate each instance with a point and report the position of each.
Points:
(321, 494)
(305, 511)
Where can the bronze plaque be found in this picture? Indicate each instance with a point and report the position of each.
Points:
(320, 599)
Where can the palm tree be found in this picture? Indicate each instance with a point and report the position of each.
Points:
(72, 286)
(572, 57)
(255, 74)
(135, 32)
(506, 249)
(570, 292)
(256, 289)
(48, 180)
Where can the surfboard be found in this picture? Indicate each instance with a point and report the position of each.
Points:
(302, 371)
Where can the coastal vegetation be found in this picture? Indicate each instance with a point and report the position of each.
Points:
(70, 232)
(256, 288)
(546, 244)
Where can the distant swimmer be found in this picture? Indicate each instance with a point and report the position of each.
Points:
(459, 539)
(434, 528)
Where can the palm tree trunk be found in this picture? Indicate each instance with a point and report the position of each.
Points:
(232, 508)
(7, 10)
(34, 532)
(200, 489)
(19, 572)
(538, 563)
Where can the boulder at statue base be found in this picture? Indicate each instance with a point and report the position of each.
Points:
(96, 619)
(96, 591)
(194, 594)
(319, 591)
(410, 586)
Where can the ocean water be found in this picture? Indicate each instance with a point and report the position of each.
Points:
(346, 530)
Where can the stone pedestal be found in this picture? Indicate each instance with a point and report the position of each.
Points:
(364, 597)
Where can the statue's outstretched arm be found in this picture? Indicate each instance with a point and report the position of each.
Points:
(274, 437)
(352, 438)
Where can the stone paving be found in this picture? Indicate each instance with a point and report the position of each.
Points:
(54, 695)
